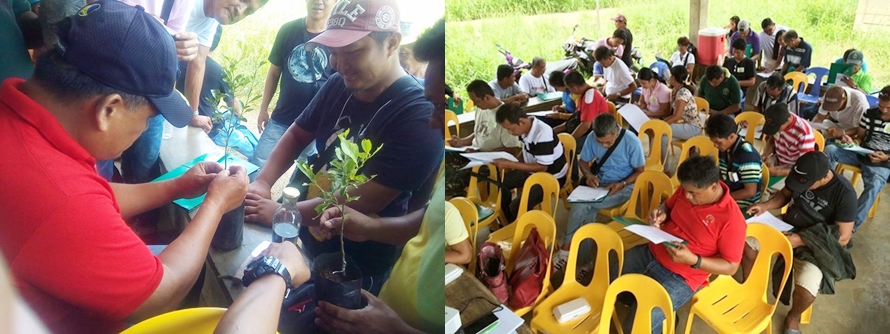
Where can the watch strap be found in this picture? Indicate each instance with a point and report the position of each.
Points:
(697, 264)
(264, 266)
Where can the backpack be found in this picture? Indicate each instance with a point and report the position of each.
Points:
(527, 278)
(490, 270)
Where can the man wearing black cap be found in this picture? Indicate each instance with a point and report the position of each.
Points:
(75, 260)
(788, 137)
(822, 213)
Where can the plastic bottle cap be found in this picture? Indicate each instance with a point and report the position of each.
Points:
(291, 193)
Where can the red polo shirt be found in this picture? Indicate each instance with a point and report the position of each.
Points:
(715, 230)
(72, 257)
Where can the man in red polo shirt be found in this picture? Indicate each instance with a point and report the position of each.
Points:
(703, 213)
(72, 257)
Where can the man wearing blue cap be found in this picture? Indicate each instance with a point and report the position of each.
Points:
(74, 259)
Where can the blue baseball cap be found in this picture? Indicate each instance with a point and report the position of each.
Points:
(126, 49)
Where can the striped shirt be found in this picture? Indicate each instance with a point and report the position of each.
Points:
(787, 96)
(542, 146)
(794, 141)
(739, 165)
(877, 135)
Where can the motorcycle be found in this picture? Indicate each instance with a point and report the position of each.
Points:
(520, 65)
(581, 51)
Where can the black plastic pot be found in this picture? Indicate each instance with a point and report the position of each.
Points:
(230, 231)
(337, 289)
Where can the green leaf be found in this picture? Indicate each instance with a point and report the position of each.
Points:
(321, 207)
(366, 145)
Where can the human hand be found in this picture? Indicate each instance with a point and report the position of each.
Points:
(794, 239)
(614, 187)
(186, 45)
(195, 181)
(331, 222)
(553, 116)
(524, 97)
(260, 188)
(292, 258)
(592, 181)
(203, 122)
(455, 142)
(501, 163)
(376, 318)
(846, 139)
(470, 150)
(457, 98)
(259, 210)
(877, 157)
(228, 188)
(261, 120)
(657, 217)
(681, 254)
(743, 124)
(835, 132)
(756, 209)
(611, 97)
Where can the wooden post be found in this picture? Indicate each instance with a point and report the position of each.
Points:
(698, 18)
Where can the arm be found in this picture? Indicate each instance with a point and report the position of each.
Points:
(518, 98)
(732, 109)
(360, 227)
(194, 80)
(532, 167)
(281, 158)
(630, 89)
(748, 191)
(819, 117)
(373, 198)
(747, 82)
(768, 148)
(677, 115)
(272, 79)
(581, 130)
(134, 199)
(461, 253)
(846, 232)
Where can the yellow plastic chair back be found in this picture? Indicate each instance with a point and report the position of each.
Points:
(820, 141)
(705, 147)
(607, 243)
(570, 146)
(730, 307)
(659, 130)
(194, 320)
(797, 79)
(486, 194)
(754, 120)
(450, 116)
(614, 111)
(468, 106)
(649, 295)
(704, 109)
(765, 174)
(549, 184)
(649, 190)
(471, 217)
(857, 172)
(547, 230)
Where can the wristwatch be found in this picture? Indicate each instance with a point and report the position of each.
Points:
(697, 264)
(264, 266)
(623, 184)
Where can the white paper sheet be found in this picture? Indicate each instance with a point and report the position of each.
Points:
(765, 74)
(489, 156)
(859, 149)
(757, 134)
(652, 234)
(633, 115)
(508, 322)
(587, 194)
(460, 149)
(818, 126)
(541, 113)
(473, 163)
(767, 218)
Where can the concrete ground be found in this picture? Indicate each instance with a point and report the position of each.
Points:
(859, 306)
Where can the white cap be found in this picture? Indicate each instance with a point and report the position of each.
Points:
(291, 193)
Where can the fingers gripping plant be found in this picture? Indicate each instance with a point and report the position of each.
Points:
(343, 172)
(229, 111)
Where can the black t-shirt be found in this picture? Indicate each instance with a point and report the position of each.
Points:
(833, 202)
(213, 79)
(877, 136)
(742, 70)
(399, 120)
(299, 80)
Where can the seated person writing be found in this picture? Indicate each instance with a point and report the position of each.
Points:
(841, 111)
(505, 87)
(775, 90)
(703, 213)
(684, 119)
(488, 136)
(541, 152)
(787, 137)
(740, 165)
(822, 210)
(655, 99)
(619, 82)
(569, 100)
(875, 166)
(590, 104)
(617, 172)
(721, 90)
(534, 82)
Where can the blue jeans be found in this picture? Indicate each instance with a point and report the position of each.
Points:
(582, 213)
(873, 177)
(639, 260)
(271, 134)
(140, 163)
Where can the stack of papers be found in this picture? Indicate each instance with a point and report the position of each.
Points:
(585, 194)
(758, 131)
(633, 115)
(859, 149)
(765, 74)
(460, 149)
(654, 235)
(550, 96)
(541, 113)
(767, 218)
(482, 158)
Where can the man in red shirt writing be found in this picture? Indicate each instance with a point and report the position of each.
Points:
(703, 213)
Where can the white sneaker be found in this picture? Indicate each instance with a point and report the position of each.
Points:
(583, 272)
(560, 260)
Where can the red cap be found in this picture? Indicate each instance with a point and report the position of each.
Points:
(353, 19)
(619, 17)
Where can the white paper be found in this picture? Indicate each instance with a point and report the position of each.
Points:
(765, 74)
(859, 149)
(818, 126)
(757, 131)
(541, 113)
(839, 80)
(473, 163)
(767, 218)
(654, 235)
(487, 157)
(633, 115)
(460, 149)
(587, 194)
(466, 117)
(508, 321)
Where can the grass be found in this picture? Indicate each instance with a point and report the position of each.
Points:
(466, 10)
(656, 25)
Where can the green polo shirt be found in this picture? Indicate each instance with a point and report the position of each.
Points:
(862, 80)
(725, 94)
(14, 58)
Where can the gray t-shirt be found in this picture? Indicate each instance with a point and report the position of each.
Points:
(502, 93)
(849, 117)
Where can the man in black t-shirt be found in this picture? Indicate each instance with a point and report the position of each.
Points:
(300, 71)
(874, 132)
(741, 67)
(817, 196)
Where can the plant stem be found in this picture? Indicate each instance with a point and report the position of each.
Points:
(342, 243)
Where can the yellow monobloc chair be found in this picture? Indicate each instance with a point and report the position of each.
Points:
(450, 116)
(649, 189)
(857, 172)
(486, 195)
(607, 242)
(820, 141)
(471, 218)
(797, 79)
(550, 185)
(194, 320)
(570, 147)
(547, 230)
(704, 146)
(649, 295)
(614, 111)
(754, 119)
(660, 130)
(730, 307)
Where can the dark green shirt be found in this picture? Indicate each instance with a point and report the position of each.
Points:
(722, 96)
(14, 58)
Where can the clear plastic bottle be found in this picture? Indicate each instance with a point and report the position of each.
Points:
(287, 219)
